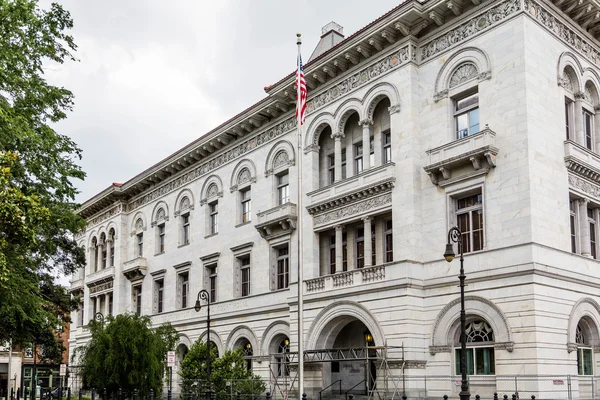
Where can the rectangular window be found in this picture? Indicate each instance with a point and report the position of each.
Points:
(467, 115)
(469, 218)
(110, 304)
(573, 220)
(104, 255)
(112, 253)
(140, 244)
(358, 158)
(137, 299)
(283, 267)
(480, 361)
(184, 284)
(587, 129)
(95, 260)
(185, 226)
(360, 248)
(372, 151)
(332, 254)
(331, 168)
(246, 206)
(344, 163)
(389, 242)
(212, 282)
(159, 287)
(387, 146)
(585, 361)
(245, 272)
(283, 188)
(161, 238)
(373, 246)
(568, 118)
(592, 222)
(344, 253)
(80, 319)
(214, 218)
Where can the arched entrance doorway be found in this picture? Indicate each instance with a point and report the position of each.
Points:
(356, 371)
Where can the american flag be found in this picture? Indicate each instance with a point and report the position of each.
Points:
(301, 94)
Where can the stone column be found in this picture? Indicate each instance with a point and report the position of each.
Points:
(368, 244)
(349, 158)
(578, 117)
(106, 310)
(339, 248)
(99, 259)
(108, 248)
(584, 228)
(366, 142)
(378, 148)
(337, 136)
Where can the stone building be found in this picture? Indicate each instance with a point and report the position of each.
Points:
(478, 114)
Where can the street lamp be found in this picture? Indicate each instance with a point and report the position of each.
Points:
(455, 236)
(204, 295)
(99, 317)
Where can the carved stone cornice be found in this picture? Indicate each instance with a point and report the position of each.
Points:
(415, 364)
(584, 186)
(433, 350)
(101, 285)
(360, 78)
(571, 347)
(473, 26)
(362, 193)
(354, 209)
(508, 346)
(582, 169)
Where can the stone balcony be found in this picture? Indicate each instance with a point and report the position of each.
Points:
(468, 156)
(582, 161)
(135, 269)
(346, 279)
(76, 287)
(354, 184)
(277, 221)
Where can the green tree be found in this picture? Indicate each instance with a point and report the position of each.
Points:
(37, 209)
(226, 367)
(124, 352)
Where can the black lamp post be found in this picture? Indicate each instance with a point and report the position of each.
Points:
(454, 235)
(204, 295)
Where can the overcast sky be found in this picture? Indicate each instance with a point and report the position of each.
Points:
(154, 75)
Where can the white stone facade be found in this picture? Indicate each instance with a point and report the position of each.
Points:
(532, 278)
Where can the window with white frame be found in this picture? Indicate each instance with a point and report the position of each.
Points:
(358, 158)
(332, 254)
(282, 266)
(213, 213)
(282, 359)
(591, 214)
(331, 168)
(389, 241)
(185, 229)
(140, 244)
(112, 250)
(104, 254)
(585, 353)
(344, 163)
(160, 243)
(80, 314)
(480, 355)
(211, 279)
(159, 286)
(387, 146)
(183, 289)
(283, 188)
(469, 219)
(246, 205)
(245, 275)
(568, 118)
(137, 299)
(573, 224)
(360, 248)
(466, 115)
(588, 127)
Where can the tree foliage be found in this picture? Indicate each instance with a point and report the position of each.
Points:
(230, 366)
(124, 352)
(37, 209)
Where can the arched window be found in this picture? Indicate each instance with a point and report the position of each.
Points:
(246, 347)
(282, 358)
(585, 353)
(480, 348)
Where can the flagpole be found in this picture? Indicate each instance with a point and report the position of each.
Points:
(299, 233)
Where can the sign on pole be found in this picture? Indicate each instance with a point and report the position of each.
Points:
(63, 369)
(170, 359)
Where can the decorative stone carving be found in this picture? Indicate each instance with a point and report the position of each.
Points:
(215, 162)
(440, 95)
(584, 186)
(365, 122)
(281, 159)
(508, 346)
(394, 109)
(337, 135)
(139, 224)
(358, 79)
(571, 347)
(465, 72)
(160, 215)
(101, 287)
(244, 176)
(367, 191)
(415, 364)
(587, 94)
(184, 204)
(312, 147)
(475, 25)
(354, 209)
(117, 209)
(315, 285)
(565, 82)
(212, 191)
(579, 96)
(433, 350)
(562, 31)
